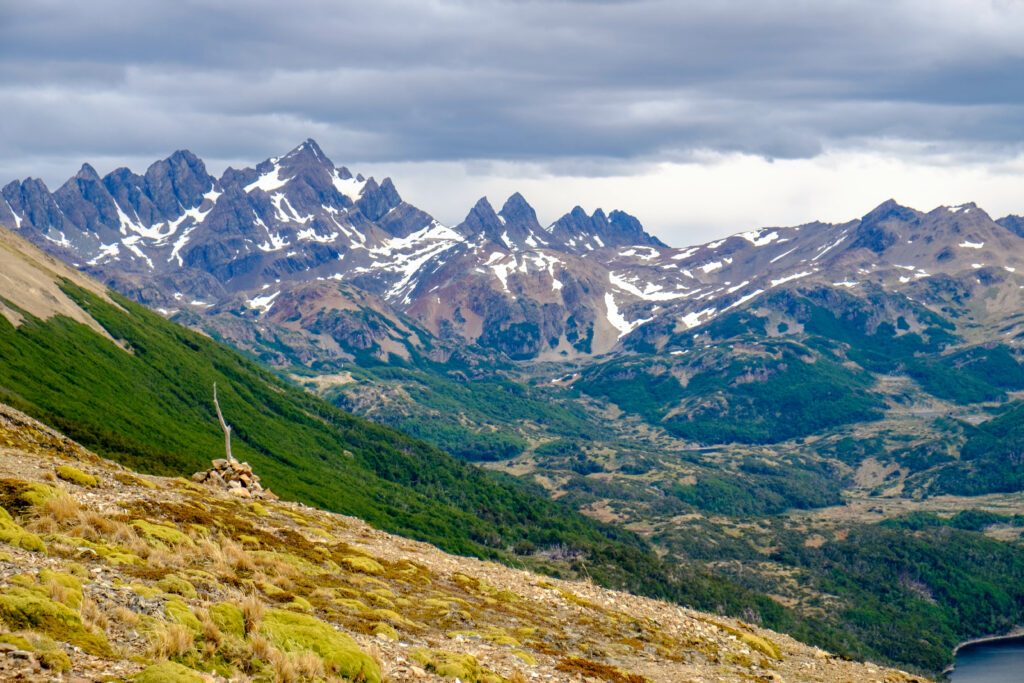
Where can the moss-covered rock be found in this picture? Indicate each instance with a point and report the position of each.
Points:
(172, 583)
(77, 476)
(394, 617)
(385, 630)
(18, 496)
(165, 535)
(54, 660)
(294, 632)
(69, 582)
(361, 563)
(46, 650)
(17, 641)
(114, 554)
(450, 665)
(12, 534)
(168, 672)
(762, 645)
(25, 609)
(132, 480)
(179, 613)
(228, 618)
(299, 604)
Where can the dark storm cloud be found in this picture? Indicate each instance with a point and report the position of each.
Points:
(541, 81)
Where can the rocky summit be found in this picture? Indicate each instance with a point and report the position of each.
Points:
(297, 233)
(106, 574)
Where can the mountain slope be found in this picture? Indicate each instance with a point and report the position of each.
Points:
(165, 577)
(145, 401)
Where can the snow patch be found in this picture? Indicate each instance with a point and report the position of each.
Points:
(757, 237)
(617, 320)
(782, 256)
(845, 283)
(17, 218)
(106, 251)
(743, 299)
(311, 234)
(711, 267)
(692, 320)
(130, 242)
(262, 303)
(268, 182)
(276, 243)
(971, 245)
(829, 248)
(650, 292)
(350, 187)
(738, 287)
(795, 276)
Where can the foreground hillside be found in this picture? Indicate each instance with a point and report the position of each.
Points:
(107, 574)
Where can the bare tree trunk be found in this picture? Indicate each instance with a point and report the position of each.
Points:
(223, 425)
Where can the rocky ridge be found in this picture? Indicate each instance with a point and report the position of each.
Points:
(147, 577)
(226, 253)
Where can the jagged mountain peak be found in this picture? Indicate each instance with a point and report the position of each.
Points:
(522, 229)
(890, 209)
(307, 152)
(87, 172)
(516, 203)
(481, 220)
(583, 232)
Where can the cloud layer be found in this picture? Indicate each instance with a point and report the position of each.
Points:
(585, 88)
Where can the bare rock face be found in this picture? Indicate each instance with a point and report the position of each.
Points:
(237, 478)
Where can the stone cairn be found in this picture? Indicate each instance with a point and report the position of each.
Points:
(235, 477)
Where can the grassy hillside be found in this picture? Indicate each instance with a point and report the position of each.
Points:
(147, 402)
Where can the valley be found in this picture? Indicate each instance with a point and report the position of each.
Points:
(816, 428)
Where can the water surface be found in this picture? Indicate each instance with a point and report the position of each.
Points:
(998, 661)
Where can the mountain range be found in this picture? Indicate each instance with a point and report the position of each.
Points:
(823, 422)
(299, 240)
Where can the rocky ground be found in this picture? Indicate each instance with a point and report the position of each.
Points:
(110, 575)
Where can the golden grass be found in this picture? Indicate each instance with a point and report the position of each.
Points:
(252, 611)
(172, 641)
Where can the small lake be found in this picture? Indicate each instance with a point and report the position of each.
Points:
(1000, 661)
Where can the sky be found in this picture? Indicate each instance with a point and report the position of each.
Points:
(700, 118)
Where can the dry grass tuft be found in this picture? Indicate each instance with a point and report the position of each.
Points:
(310, 666)
(259, 648)
(94, 618)
(211, 632)
(58, 592)
(62, 508)
(285, 670)
(252, 611)
(236, 556)
(173, 641)
(126, 617)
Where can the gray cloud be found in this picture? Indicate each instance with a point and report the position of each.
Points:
(549, 82)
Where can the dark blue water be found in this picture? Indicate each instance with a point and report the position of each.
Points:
(1000, 661)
